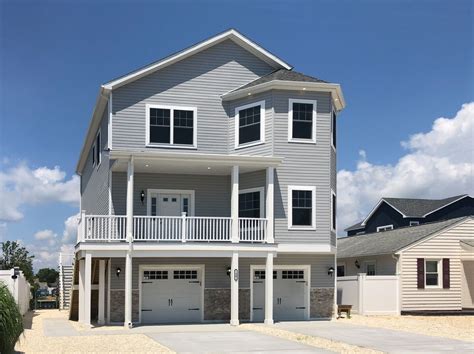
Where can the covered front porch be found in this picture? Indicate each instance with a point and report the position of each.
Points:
(171, 197)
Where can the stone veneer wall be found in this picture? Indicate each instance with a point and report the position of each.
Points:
(117, 306)
(217, 304)
(321, 302)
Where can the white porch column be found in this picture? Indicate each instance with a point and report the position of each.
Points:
(82, 289)
(87, 289)
(128, 257)
(269, 289)
(101, 304)
(235, 203)
(269, 204)
(128, 290)
(234, 290)
(130, 172)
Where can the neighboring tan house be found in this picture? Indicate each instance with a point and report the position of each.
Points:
(434, 262)
(201, 174)
(390, 213)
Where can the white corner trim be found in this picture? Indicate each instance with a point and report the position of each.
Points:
(110, 130)
(237, 125)
(290, 207)
(290, 121)
(230, 34)
(261, 190)
(171, 143)
(190, 192)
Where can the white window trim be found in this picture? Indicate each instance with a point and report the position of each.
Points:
(94, 149)
(262, 197)
(414, 223)
(439, 270)
(171, 143)
(333, 194)
(262, 125)
(379, 228)
(370, 262)
(290, 207)
(290, 121)
(189, 192)
(333, 112)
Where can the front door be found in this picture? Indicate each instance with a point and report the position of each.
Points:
(169, 204)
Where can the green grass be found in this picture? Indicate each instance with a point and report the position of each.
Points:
(11, 321)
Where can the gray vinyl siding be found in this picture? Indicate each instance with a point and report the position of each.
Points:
(252, 179)
(384, 264)
(95, 179)
(212, 193)
(304, 165)
(265, 149)
(216, 269)
(197, 81)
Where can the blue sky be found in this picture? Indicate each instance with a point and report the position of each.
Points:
(402, 64)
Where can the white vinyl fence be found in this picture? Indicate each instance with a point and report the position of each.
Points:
(370, 295)
(19, 288)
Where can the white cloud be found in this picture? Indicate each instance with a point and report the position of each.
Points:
(21, 185)
(45, 235)
(438, 164)
(70, 229)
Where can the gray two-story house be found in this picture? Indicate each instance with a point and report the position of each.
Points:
(201, 174)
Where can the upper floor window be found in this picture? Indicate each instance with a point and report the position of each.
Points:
(251, 203)
(302, 121)
(250, 124)
(333, 130)
(168, 125)
(96, 150)
(333, 211)
(384, 228)
(302, 207)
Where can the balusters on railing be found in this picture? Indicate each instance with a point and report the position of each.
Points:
(252, 229)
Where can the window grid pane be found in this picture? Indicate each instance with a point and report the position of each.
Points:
(249, 205)
(303, 112)
(249, 116)
(293, 274)
(185, 274)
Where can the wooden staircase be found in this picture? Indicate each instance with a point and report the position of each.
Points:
(66, 269)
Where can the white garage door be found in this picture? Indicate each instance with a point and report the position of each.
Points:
(290, 294)
(171, 295)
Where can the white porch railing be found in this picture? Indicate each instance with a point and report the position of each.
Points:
(171, 228)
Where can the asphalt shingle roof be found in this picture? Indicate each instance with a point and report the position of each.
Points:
(389, 242)
(283, 75)
(413, 208)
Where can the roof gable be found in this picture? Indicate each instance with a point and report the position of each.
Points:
(390, 242)
(231, 34)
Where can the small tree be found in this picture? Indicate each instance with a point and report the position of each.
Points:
(11, 324)
(14, 255)
(47, 275)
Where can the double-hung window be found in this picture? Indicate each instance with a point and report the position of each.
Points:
(370, 268)
(432, 273)
(171, 126)
(333, 210)
(333, 130)
(250, 124)
(384, 228)
(96, 150)
(302, 121)
(251, 203)
(301, 207)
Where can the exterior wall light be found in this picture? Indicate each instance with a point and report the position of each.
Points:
(117, 271)
(331, 271)
(356, 263)
(142, 196)
(228, 271)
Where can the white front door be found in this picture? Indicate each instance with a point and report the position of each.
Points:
(169, 204)
(171, 295)
(290, 294)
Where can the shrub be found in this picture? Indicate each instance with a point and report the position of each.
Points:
(11, 321)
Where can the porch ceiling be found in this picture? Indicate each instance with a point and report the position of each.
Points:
(190, 163)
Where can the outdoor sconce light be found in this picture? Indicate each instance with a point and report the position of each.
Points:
(142, 196)
(357, 264)
(331, 271)
(16, 272)
(228, 271)
(117, 271)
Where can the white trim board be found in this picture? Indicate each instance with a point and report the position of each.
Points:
(312, 189)
(231, 34)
